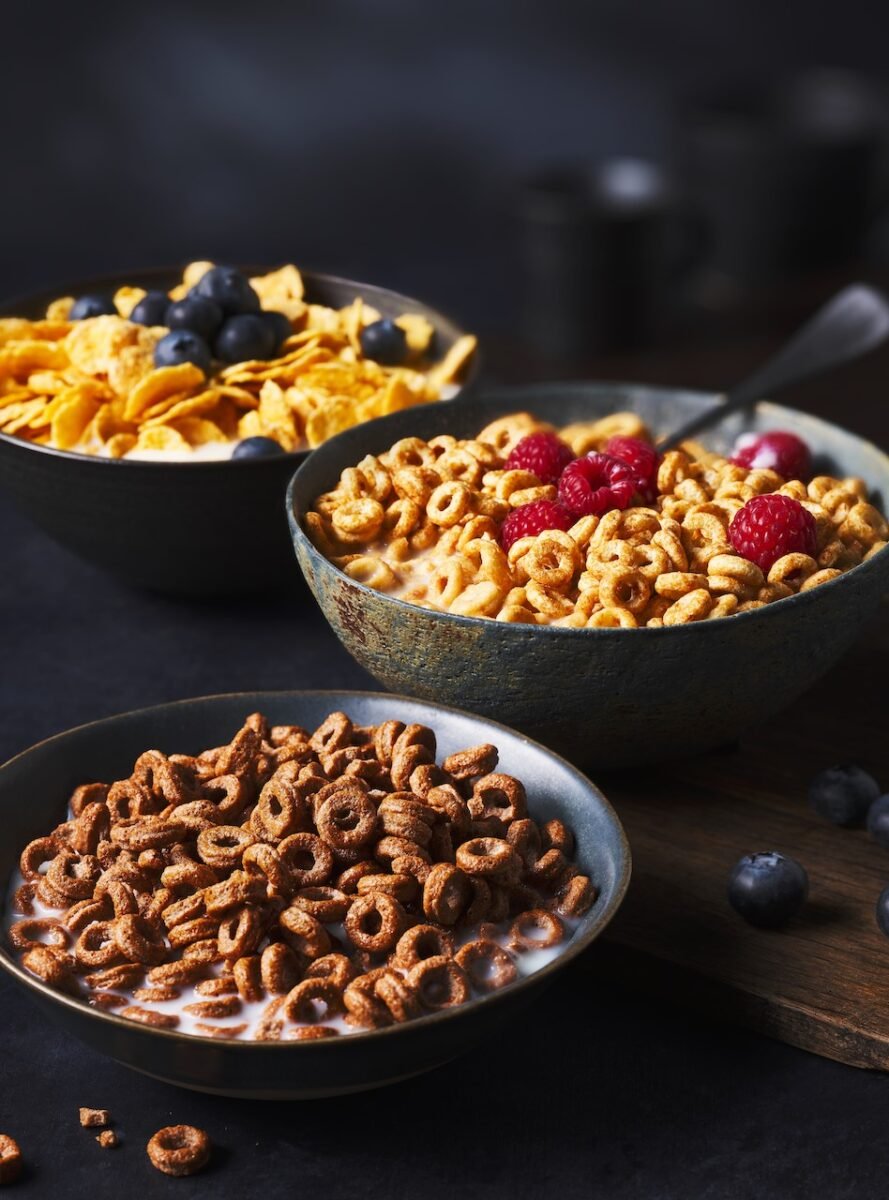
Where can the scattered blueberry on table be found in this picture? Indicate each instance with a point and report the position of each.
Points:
(384, 342)
(878, 821)
(843, 794)
(182, 346)
(91, 305)
(767, 889)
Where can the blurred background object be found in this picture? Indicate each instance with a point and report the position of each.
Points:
(393, 140)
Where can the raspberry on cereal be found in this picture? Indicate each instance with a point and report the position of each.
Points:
(595, 484)
(768, 527)
(544, 454)
(776, 450)
(644, 460)
(530, 519)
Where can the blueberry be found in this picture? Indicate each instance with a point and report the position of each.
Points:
(843, 794)
(151, 309)
(244, 337)
(878, 821)
(196, 313)
(181, 346)
(279, 325)
(257, 447)
(767, 889)
(883, 911)
(91, 305)
(229, 289)
(384, 342)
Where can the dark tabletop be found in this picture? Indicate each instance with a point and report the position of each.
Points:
(593, 1093)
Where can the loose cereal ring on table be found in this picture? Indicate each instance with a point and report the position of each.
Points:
(468, 527)
(296, 884)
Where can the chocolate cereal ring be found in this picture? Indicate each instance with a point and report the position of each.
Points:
(374, 922)
(138, 940)
(308, 858)
(446, 893)
(492, 858)
(337, 968)
(179, 1150)
(222, 846)
(49, 964)
(38, 931)
(347, 818)
(279, 968)
(312, 1002)
(488, 966)
(420, 943)
(303, 933)
(536, 929)
(439, 982)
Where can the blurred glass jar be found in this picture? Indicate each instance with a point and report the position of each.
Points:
(603, 252)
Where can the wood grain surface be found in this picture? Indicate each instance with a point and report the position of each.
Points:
(822, 982)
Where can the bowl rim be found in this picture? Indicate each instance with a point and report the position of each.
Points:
(579, 942)
(439, 320)
(800, 599)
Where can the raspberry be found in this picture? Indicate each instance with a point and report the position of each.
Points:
(644, 460)
(778, 451)
(531, 519)
(768, 527)
(542, 453)
(595, 484)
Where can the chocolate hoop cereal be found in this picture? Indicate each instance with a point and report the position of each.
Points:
(179, 1150)
(324, 901)
(662, 556)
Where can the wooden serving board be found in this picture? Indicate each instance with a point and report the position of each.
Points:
(822, 982)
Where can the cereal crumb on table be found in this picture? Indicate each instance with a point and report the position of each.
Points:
(94, 1118)
(10, 1159)
(107, 1139)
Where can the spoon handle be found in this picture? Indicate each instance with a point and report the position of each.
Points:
(855, 321)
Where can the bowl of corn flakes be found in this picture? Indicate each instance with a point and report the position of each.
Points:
(645, 628)
(150, 422)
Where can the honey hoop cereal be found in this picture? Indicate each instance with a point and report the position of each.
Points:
(601, 533)
(295, 884)
(215, 362)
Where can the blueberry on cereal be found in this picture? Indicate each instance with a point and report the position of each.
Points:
(767, 889)
(257, 447)
(384, 342)
(243, 338)
(151, 309)
(93, 304)
(197, 313)
(183, 346)
(843, 794)
(228, 288)
(279, 325)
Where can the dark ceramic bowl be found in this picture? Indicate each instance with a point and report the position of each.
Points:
(609, 697)
(198, 529)
(47, 773)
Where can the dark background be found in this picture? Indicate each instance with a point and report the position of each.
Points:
(388, 141)
(379, 138)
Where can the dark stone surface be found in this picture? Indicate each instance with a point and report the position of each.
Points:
(590, 1094)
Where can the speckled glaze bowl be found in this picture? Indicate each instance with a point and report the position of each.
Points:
(196, 529)
(603, 697)
(34, 788)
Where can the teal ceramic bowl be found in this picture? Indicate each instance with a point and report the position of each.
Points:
(205, 529)
(603, 697)
(34, 788)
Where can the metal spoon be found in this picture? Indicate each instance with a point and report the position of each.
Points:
(855, 321)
